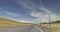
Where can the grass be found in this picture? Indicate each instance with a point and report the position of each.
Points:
(7, 23)
(54, 27)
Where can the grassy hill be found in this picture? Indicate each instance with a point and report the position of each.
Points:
(6, 23)
(54, 26)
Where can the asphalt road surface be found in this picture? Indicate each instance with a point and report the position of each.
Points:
(31, 28)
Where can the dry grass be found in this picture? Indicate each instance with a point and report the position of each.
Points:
(7, 23)
(54, 27)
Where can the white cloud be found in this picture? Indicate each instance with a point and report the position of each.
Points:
(12, 13)
(24, 21)
(28, 4)
(44, 17)
(31, 6)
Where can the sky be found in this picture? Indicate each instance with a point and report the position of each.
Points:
(32, 11)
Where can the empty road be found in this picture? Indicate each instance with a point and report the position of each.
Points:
(30, 28)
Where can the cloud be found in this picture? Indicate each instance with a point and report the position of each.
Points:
(44, 17)
(12, 13)
(27, 4)
(24, 21)
(33, 8)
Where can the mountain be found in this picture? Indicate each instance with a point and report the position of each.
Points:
(6, 23)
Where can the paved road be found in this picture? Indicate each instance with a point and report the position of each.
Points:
(44, 29)
(31, 28)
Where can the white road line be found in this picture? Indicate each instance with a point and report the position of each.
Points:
(40, 29)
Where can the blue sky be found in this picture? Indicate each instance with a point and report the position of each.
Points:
(30, 10)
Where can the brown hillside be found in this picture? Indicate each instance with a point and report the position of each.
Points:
(6, 23)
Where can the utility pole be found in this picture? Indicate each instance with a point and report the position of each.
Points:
(49, 23)
(40, 21)
(49, 18)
